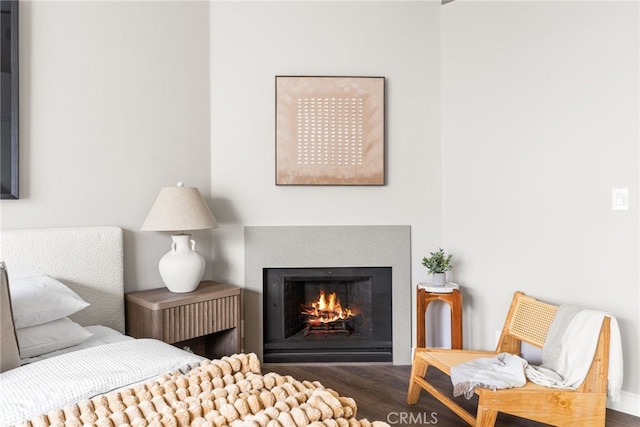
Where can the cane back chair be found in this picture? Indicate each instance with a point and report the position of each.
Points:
(528, 320)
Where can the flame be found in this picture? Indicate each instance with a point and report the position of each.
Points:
(327, 309)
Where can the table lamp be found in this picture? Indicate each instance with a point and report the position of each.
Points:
(180, 209)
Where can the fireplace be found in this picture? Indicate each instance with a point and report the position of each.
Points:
(328, 246)
(341, 314)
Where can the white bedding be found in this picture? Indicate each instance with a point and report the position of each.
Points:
(99, 335)
(36, 388)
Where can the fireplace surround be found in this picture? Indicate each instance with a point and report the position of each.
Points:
(334, 246)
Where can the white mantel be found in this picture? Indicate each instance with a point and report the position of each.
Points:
(329, 246)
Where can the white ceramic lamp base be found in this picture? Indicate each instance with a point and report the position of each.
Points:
(182, 268)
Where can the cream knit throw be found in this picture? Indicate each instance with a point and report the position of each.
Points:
(569, 348)
(504, 370)
(230, 392)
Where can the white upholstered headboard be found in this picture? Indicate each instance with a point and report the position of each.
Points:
(90, 260)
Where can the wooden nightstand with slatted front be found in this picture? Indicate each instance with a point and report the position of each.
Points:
(206, 320)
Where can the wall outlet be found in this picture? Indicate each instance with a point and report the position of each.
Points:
(620, 199)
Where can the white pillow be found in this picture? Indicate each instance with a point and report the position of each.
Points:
(62, 333)
(42, 299)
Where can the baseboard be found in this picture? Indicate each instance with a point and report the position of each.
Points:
(629, 403)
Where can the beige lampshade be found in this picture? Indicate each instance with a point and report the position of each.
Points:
(178, 209)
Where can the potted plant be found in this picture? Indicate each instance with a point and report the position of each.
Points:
(437, 264)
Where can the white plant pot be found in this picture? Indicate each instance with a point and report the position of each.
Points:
(439, 279)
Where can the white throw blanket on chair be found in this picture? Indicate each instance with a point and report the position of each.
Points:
(569, 348)
(502, 371)
(566, 358)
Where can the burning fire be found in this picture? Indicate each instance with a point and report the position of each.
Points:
(326, 309)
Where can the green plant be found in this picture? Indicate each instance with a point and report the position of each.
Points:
(438, 262)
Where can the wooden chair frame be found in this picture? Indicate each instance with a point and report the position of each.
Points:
(528, 321)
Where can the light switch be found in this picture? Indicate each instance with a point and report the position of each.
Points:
(620, 199)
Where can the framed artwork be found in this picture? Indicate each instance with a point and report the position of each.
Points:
(330, 130)
(9, 160)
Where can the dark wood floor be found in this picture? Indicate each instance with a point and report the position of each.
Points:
(380, 391)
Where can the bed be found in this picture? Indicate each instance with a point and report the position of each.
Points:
(73, 281)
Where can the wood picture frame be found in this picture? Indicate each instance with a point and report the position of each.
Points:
(330, 130)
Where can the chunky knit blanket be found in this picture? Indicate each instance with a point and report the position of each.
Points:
(230, 391)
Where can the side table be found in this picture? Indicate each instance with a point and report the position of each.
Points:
(207, 320)
(449, 293)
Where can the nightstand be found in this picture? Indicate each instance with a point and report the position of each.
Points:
(206, 320)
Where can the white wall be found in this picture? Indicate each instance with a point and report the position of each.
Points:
(114, 105)
(540, 122)
(121, 98)
(251, 43)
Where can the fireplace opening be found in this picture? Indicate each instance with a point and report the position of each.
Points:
(327, 314)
